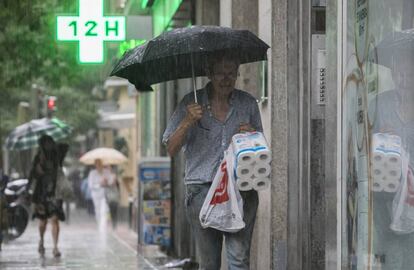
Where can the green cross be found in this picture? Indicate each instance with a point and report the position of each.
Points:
(91, 29)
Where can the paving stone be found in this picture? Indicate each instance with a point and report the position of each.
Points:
(82, 247)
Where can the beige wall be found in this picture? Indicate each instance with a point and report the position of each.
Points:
(255, 15)
(128, 177)
(261, 247)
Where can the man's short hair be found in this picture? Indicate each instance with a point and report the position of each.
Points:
(217, 57)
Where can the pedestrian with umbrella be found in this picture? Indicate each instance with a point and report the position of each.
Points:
(205, 129)
(103, 183)
(44, 173)
(27, 135)
(205, 120)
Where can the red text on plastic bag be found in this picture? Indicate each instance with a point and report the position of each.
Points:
(220, 194)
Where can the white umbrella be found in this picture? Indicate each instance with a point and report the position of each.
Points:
(109, 156)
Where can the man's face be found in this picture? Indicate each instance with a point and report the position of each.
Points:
(224, 76)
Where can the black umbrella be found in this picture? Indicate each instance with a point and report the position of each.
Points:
(182, 53)
(395, 43)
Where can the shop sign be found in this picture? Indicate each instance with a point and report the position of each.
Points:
(90, 29)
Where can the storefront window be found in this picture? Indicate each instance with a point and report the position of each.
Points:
(378, 135)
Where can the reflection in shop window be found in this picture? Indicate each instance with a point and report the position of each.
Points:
(378, 136)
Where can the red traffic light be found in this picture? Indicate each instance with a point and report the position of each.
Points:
(51, 103)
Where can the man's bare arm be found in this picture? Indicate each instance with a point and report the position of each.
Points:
(176, 141)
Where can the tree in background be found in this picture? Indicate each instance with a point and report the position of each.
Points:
(29, 53)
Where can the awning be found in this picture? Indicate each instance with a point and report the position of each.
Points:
(116, 120)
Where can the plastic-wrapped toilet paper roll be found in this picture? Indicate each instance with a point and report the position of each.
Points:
(244, 171)
(377, 186)
(393, 158)
(393, 161)
(391, 186)
(263, 155)
(378, 157)
(392, 171)
(246, 158)
(377, 172)
(261, 183)
(244, 184)
(261, 170)
(394, 175)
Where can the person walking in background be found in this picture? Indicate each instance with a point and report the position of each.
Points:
(112, 196)
(76, 177)
(87, 196)
(204, 131)
(44, 171)
(98, 179)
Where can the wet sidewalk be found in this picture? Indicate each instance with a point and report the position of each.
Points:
(82, 247)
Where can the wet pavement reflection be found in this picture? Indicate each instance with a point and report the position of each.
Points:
(82, 245)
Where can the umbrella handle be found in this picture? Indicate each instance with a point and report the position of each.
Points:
(193, 77)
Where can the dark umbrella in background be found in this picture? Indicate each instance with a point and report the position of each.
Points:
(26, 136)
(183, 53)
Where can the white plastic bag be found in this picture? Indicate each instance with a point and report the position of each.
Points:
(402, 220)
(223, 206)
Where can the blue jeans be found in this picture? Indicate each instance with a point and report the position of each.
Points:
(209, 241)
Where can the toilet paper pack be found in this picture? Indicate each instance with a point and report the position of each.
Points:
(386, 162)
(252, 158)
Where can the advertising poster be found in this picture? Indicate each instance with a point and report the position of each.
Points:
(155, 188)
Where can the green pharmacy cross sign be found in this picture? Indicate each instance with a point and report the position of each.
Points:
(91, 28)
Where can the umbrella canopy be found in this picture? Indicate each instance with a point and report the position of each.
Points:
(394, 43)
(182, 53)
(26, 136)
(109, 156)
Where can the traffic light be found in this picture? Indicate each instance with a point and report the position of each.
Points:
(50, 105)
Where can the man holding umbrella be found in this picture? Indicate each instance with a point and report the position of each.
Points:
(204, 131)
